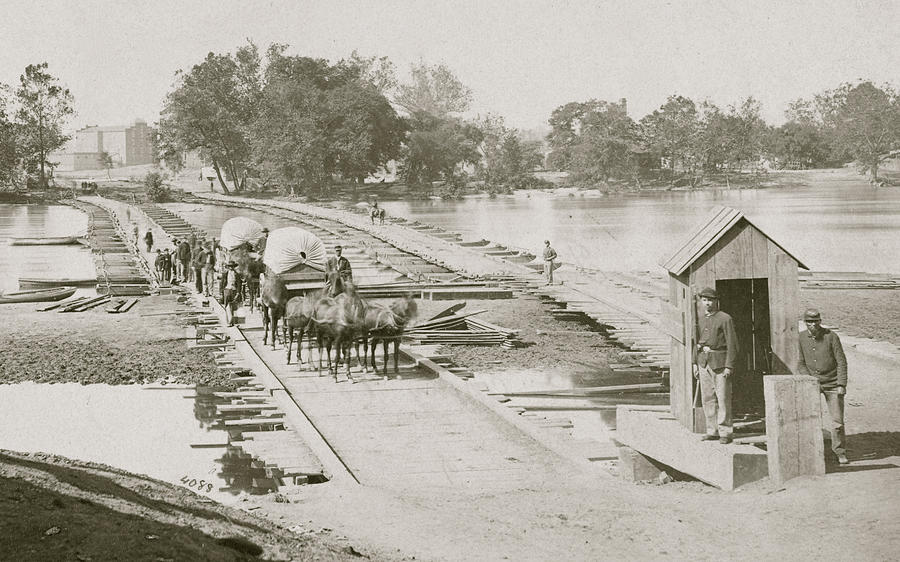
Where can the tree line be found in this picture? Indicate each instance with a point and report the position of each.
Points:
(297, 123)
(596, 141)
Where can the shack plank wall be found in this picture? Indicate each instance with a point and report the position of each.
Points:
(759, 248)
(681, 361)
(784, 305)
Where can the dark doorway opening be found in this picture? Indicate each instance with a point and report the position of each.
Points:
(747, 301)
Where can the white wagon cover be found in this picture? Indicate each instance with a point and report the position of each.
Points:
(291, 246)
(239, 230)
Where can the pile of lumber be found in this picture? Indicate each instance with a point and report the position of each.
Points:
(848, 280)
(463, 329)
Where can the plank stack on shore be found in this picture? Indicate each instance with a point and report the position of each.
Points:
(848, 280)
(463, 329)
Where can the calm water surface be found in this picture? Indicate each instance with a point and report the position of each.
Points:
(140, 430)
(41, 261)
(837, 225)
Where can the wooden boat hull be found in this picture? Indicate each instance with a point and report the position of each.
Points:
(46, 283)
(48, 241)
(39, 295)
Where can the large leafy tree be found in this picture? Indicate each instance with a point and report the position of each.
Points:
(213, 108)
(865, 122)
(435, 90)
(44, 107)
(800, 143)
(505, 157)
(318, 120)
(672, 132)
(436, 148)
(10, 157)
(730, 138)
(290, 147)
(593, 140)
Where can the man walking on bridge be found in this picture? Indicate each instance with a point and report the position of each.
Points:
(549, 259)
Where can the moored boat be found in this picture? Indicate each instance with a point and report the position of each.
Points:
(46, 241)
(37, 295)
(46, 283)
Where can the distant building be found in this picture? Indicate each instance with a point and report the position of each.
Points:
(72, 161)
(128, 145)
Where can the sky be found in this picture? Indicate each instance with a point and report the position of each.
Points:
(521, 59)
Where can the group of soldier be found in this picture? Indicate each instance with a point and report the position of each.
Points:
(820, 355)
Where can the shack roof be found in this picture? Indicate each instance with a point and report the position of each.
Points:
(719, 221)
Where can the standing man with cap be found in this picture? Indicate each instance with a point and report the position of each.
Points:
(549, 257)
(714, 356)
(343, 265)
(822, 356)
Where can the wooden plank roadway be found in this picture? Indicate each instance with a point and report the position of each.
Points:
(415, 431)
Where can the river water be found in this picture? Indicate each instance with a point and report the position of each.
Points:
(41, 261)
(837, 224)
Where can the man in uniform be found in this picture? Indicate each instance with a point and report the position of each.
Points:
(549, 257)
(822, 356)
(343, 265)
(716, 351)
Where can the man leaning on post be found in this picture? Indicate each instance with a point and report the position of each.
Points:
(822, 356)
(714, 356)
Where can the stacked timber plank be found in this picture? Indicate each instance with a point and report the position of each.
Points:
(463, 329)
(118, 271)
(848, 280)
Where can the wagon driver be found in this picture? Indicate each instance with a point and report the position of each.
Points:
(343, 265)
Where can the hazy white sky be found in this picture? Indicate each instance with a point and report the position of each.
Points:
(521, 59)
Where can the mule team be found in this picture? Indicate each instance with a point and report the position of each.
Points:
(336, 315)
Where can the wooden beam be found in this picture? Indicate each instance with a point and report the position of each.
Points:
(793, 427)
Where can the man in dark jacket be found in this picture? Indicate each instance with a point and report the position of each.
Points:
(822, 356)
(714, 357)
(184, 258)
(343, 265)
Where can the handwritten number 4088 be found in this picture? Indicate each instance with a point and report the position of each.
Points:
(192, 482)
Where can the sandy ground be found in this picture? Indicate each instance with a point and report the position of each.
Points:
(871, 314)
(851, 513)
(144, 345)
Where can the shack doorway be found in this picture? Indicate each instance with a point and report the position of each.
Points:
(747, 301)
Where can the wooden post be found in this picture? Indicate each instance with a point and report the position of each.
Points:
(793, 427)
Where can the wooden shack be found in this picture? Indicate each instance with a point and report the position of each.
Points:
(756, 279)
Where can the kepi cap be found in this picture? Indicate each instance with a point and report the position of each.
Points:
(812, 315)
(709, 293)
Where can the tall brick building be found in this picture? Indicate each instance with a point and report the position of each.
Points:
(128, 145)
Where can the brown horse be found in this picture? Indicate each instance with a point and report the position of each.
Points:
(299, 312)
(337, 320)
(272, 294)
(387, 323)
(272, 301)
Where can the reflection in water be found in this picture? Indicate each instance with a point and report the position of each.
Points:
(840, 225)
(41, 261)
(138, 429)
